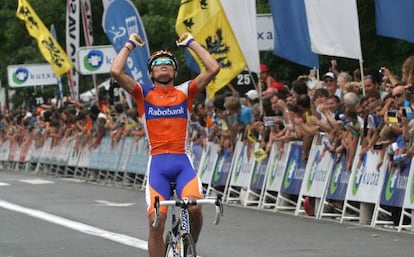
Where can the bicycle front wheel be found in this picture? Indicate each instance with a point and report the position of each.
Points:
(169, 246)
(189, 249)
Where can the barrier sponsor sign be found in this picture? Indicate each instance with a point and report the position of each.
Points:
(25, 75)
(243, 166)
(277, 162)
(317, 171)
(259, 174)
(409, 192)
(294, 171)
(366, 180)
(338, 182)
(208, 163)
(395, 183)
(222, 168)
(197, 152)
(96, 59)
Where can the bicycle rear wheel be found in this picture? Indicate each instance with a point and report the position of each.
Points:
(189, 246)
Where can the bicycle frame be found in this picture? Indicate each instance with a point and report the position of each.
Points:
(179, 239)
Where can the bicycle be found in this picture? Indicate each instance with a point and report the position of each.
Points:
(178, 241)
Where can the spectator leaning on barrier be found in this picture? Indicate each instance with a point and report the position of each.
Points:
(165, 109)
(243, 115)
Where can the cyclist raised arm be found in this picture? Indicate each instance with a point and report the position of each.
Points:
(165, 110)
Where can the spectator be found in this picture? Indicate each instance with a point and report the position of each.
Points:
(268, 81)
(370, 83)
(331, 85)
(252, 98)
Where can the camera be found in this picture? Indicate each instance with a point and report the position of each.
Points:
(392, 117)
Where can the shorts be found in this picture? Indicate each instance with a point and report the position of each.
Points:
(164, 168)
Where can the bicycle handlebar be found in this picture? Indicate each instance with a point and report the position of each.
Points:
(185, 203)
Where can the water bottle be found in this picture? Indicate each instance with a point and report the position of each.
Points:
(399, 157)
(343, 118)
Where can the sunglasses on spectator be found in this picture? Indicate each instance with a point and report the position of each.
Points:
(163, 61)
(397, 95)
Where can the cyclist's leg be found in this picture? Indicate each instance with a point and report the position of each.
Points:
(158, 184)
(189, 185)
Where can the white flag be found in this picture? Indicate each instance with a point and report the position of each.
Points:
(242, 18)
(334, 27)
(72, 44)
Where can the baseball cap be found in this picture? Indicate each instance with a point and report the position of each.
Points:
(329, 75)
(252, 94)
(102, 116)
(264, 68)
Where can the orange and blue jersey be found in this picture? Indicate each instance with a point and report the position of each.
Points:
(165, 113)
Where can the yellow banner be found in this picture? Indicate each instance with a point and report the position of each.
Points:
(47, 44)
(207, 22)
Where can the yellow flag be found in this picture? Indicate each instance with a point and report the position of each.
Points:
(47, 44)
(207, 22)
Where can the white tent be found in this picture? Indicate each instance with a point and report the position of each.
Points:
(91, 94)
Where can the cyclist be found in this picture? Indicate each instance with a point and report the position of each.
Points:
(165, 111)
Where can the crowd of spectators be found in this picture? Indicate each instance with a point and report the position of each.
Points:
(374, 111)
(67, 120)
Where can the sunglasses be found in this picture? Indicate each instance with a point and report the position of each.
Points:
(397, 95)
(163, 61)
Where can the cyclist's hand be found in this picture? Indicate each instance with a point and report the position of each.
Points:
(135, 41)
(185, 40)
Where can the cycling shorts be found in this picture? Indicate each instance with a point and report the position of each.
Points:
(165, 168)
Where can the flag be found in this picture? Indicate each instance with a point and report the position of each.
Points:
(59, 79)
(48, 46)
(121, 19)
(87, 21)
(395, 19)
(207, 22)
(334, 27)
(72, 44)
(292, 40)
(245, 29)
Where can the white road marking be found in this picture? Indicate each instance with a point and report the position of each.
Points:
(4, 184)
(84, 228)
(73, 180)
(112, 204)
(37, 181)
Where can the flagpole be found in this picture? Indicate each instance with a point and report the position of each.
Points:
(361, 67)
(59, 79)
(258, 89)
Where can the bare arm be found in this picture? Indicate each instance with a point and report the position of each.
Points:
(118, 65)
(212, 67)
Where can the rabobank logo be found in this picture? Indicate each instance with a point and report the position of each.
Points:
(157, 112)
(93, 60)
(21, 75)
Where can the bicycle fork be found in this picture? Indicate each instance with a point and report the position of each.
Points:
(178, 230)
